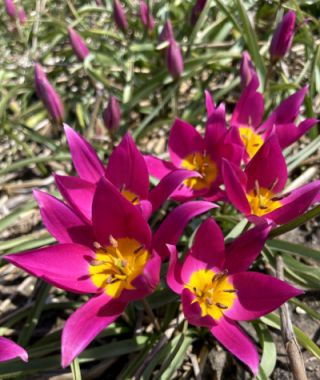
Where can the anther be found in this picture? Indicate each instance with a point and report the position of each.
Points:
(110, 279)
(123, 187)
(256, 190)
(230, 291)
(124, 263)
(97, 245)
(273, 184)
(221, 306)
(139, 248)
(209, 301)
(96, 263)
(113, 241)
(134, 199)
(220, 275)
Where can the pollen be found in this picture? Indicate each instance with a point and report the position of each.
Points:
(251, 140)
(203, 164)
(130, 196)
(262, 200)
(116, 265)
(213, 290)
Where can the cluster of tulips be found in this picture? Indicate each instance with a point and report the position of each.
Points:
(106, 247)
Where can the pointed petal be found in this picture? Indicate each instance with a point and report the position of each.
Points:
(172, 227)
(63, 223)
(168, 185)
(296, 203)
(174, 271)
(235, 183)
(10, 350)
(268, 167)
(158, 168)
(288, 133)
(85, 159)
(235, 340)
(86, 323)
(241, 253)
(183, 140)
(216, 127)
(209, 103)
(258, 294)
(78, 193)
(63, 265)
(113, 215)
(250, 108)
(126, 166)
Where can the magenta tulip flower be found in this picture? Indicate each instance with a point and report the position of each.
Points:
(126, 170)
(146, 16)
(112, 115)
(189, 150)
(196, 10)
(78, 45)
(283, 36)
(174, 58)
(247, 70)
(248, 114)
(48, 94)
(10, 350)
(114, 258)
(119, 16)
(217, 290)
(258, 191)
(10, 8)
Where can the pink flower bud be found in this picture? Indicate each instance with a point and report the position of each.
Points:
(78, 45)
(119, 16)
(146, 17)
(247, 70)
(174, 59)
(112, 115)
(48, 94)
(10, 8)
(167, 32)
(99, 3)
(283, 36)
(196, 10)
(22, 16)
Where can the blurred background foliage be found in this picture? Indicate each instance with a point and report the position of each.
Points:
(132, 67)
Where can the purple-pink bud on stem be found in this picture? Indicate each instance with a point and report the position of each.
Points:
(146, 17)
(78, 45)
(112, 115)
(174, 59)
(119, 16)
(283, 36)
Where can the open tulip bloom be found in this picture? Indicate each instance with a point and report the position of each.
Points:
(258, 191)
(217, 290)
(203, 155)
(248, 115)
(115, 257)
(10, 350)
(126, 170)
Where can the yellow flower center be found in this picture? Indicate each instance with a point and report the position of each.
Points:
(252, 141)
(130, 196)
(202, 164)
(214, 292)
(115, 266)
(262, 200)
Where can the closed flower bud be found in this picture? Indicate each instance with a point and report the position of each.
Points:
(167, 32)
(48, 94)
(247, 70)
(283, 36)
(22, 16)
(112, 115)
(119, 16)
(78, 45)
(196, 10)
(10, 8)
(174, 59)
(146, 17)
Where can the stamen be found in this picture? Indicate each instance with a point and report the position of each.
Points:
(273, 184)
(219, 276)
(113, 241)
(139, 248)
(123, 263)
(221, 306)
(96, 263)
(110, 279)
(209, 301)
(134, 199)
(250, 121)
(97, 245)
(256, 190)
(230, 291)
(123, 187)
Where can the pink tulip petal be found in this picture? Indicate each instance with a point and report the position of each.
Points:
(241, 253)
(62, 222)
(287, 111)
(145, 208)
(235, 340)
(209, 103)
(168, 185)
(158, 168)
(183, 140)
(78, 193)
(268, 167)
(10, 350)
(258, 294)
(216, 127)
(191, 264)
(192, 310)
(172, 227)
(174, 270)
(63, 265)
(126, 167)
(184, 193)
(250, 108)
(86, 161)
(114, 215)
(86, 323)
(235, 183)
(296, 203)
